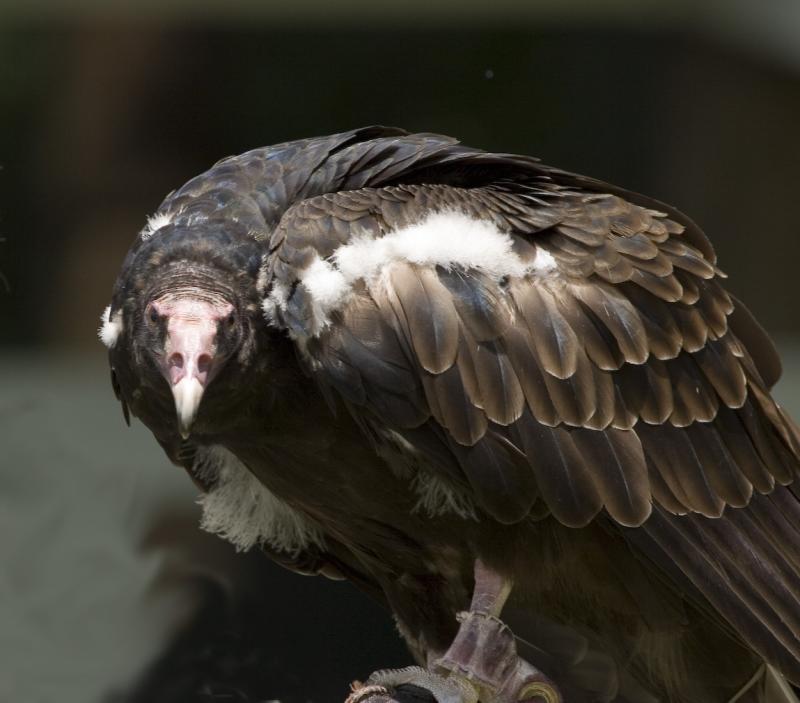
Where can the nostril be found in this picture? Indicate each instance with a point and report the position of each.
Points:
(176, 360)
(203, 363)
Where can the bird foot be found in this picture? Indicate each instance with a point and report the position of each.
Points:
(481, 664)
(412, 685)
(484, 654)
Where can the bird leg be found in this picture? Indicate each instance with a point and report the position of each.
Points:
(481, 663)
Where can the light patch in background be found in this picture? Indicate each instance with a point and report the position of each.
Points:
(74, 622)
(77, 617)
(243, 511)
(787, 390)
(110, 328)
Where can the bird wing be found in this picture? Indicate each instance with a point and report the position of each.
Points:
(551, 344)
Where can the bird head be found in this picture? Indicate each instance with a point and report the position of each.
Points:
(189, 332)
(183, 323)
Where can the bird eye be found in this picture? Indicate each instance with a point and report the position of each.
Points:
(230, 321)
(153, 314)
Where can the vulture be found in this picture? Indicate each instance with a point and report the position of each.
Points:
(516, 404)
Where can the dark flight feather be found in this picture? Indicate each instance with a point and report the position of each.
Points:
(502, 481)
(480, 306)
(430, 316)
(500, 393)
(555, 341)
(618, 466)
(619, 316)
(563, 476)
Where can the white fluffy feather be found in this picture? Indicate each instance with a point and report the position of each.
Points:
(156, 222)
(434, 495)
(439, 498)
(543, 262)
(243, 511)
(448, 239)
(275, 301)
(110, 328)
(328, 288)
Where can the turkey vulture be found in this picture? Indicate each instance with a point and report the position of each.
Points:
(477, 387)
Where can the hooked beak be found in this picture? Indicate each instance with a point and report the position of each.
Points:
(187, 393)
(190, 353)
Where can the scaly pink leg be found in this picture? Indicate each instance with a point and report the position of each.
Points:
(481, 664)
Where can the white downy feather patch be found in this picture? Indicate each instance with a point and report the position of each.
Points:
(243, 511)
(543, 262)
(275, 301)
(110, 328)
(156, 222)
(436, 497)
(448, 239)
(327, 286)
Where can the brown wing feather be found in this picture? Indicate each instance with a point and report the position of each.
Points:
(627, 381)
(735, 564)
(430, 316)
(555, 341)
(616, 374)
(562, 473)
(499, 392)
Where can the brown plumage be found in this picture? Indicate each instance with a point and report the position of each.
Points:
(438, 354)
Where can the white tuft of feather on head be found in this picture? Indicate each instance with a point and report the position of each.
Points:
(110, 327)
(156, 222)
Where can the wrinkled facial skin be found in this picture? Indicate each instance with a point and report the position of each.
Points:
(197, 332)
(187, 345)
(194, 350)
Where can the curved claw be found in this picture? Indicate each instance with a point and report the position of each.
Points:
(363, 693)
(381, 686)
(484, 653)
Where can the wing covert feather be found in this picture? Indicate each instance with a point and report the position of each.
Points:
(607, 361)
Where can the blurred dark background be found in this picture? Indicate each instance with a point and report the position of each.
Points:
(107, 590)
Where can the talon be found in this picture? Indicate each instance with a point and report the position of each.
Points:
(360, 692)
(453, 689)
(484, 651)
(539, 692)
(481, 662)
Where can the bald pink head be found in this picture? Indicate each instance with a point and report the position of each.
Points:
(190, 358)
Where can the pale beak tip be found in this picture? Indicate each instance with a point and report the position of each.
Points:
(187, 393)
